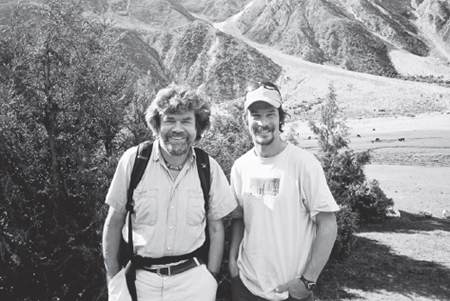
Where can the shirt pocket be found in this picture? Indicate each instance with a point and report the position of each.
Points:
(146, 206)
(195, 208)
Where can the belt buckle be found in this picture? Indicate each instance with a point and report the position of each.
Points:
(158, 271)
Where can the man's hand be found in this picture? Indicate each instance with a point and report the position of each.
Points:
(295, 287)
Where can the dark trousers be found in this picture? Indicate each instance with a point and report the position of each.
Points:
(240, 293)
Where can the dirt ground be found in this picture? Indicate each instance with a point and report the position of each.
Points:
(415, 172)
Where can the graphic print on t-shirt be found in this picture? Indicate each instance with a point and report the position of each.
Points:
(264, 186)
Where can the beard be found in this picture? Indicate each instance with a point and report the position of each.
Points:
(176, 147)
(266, 139)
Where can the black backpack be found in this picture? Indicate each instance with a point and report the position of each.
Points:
(126, 255)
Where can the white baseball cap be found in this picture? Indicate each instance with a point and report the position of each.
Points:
(263, 93)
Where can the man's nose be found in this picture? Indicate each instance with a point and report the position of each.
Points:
(262, 121)
(177, 126)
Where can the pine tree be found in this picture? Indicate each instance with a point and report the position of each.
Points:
(361, 200)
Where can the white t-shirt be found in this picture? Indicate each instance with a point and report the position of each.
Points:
(278, 198)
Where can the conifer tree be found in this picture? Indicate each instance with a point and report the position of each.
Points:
(361, 200)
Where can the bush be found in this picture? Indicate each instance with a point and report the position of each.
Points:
(228, 138)
(361, 201)
(347, 220)
(63, 91)
(368, 200)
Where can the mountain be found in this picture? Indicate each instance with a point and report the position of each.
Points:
(216, 62)
(383, 57)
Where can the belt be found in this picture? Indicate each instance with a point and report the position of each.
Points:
(176, 269)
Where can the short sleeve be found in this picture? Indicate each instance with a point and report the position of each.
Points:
(235, 187)
(315, 191)
(221, 200)
(117, 193)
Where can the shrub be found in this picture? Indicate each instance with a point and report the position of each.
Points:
(368, 200)
(347, 220)
(63, 90)
(361, 201)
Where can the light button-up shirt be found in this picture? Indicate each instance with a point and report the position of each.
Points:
(170, 215)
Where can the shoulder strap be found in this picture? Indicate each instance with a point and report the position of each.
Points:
(204, 173)
(143, 154)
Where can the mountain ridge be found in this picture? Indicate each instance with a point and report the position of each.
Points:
(302, 46)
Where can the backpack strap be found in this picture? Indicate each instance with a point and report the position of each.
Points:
(204, 173)
(143, 154)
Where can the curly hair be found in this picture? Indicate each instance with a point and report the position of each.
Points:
(178, 99)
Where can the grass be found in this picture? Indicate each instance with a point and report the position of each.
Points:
(377, 271)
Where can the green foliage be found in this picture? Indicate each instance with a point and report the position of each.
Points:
(228, 138)
(63, 93)
(361, 201)
(347, 221)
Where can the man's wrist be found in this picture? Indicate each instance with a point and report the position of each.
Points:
(309, 284)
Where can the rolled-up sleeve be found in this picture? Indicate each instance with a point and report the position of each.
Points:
(117, 193)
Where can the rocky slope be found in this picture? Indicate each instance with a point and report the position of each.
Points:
(216, 62)
(304, 46)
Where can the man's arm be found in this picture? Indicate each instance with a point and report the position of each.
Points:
(237, 233)
(321, 250)
(323, 244)
(111, 241)
(217, 243)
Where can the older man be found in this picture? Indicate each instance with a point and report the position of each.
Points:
(169, 221)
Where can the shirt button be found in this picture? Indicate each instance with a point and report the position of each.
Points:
(170, 228)
(169, 248)
(172, 207)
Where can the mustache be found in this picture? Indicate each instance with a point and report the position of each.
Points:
(265, 128)
(177, 135)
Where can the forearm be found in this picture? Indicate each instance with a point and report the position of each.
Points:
(322, 245)
(237, 234)
(217, 244)
(110, 244)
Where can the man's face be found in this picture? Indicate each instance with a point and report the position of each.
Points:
(177, 132)
(263, 123)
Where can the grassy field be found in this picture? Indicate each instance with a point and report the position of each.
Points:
(406, 258)
(399, 259)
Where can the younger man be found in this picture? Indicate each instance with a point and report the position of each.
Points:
(284, 227)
